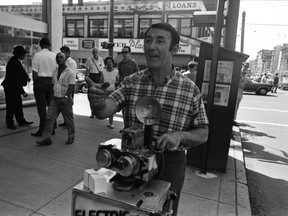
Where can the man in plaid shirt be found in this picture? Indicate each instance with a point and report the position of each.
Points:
(183, 122)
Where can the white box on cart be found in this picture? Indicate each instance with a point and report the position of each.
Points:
(96, 181)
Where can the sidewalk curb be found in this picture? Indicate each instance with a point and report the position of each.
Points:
(243, 207)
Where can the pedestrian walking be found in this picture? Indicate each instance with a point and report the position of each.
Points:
(16, 77)
(71, 63)
(62, 101)
(43, 65)
(94, 67)
(110, 75)
(275, 84)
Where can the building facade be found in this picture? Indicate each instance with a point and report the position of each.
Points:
(86, 26)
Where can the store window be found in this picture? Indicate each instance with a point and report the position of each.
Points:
(74, 28)
(182, 25)
(123, 28)
(144, 24)
(98, 28)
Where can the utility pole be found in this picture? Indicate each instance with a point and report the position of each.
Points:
(243, 31)
(111, 27)
(231, 24)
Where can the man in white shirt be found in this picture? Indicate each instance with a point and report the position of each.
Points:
(94, 67)
(71, 64)
(43, 65)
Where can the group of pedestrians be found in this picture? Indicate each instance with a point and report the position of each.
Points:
(275, 81)
(53, 81)
(100, 71)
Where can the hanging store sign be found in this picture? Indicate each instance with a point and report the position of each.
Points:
(72, 43)
(137, 45)
(184, 5)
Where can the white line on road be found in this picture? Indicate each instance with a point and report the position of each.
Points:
(264, 123)
(274, 110)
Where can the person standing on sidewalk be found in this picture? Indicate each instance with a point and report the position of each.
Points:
(110, 75)
(71, 63)
(275, 84)
(43, 65)
(191, 73)
(127, 65)
(94, 67)
(242, 81)
(183, 122)
(16, 77)
(62, 101)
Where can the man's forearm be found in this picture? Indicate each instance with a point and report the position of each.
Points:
(195, 136)
(70, 90)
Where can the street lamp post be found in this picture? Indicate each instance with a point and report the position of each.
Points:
(243, 31)
(111, 27)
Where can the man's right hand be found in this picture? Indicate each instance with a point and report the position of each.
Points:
(96, 94)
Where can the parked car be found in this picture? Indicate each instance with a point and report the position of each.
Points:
(284, 86)
(258, 88)
(80, 83)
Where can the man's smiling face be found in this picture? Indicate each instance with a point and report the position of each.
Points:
(157, 48)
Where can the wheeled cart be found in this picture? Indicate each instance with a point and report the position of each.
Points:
(153, 199)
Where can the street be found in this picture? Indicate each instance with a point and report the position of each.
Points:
(264, 128)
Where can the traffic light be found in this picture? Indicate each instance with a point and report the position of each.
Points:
(107, 45)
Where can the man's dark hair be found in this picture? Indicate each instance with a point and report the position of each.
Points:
(107, 58)
(44, 42)
(192, 66)
(128, 47)
(166, 26)
(65, 49)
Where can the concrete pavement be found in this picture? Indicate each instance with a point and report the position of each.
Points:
(38, 181)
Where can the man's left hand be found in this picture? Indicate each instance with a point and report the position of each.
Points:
(168, 141)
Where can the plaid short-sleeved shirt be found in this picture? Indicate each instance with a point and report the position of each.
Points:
(61, 86)
(181, 102)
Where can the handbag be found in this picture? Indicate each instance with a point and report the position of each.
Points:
(101, 79)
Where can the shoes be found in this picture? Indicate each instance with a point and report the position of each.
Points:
(13, 127)
(36, 134)
(111, 126)
(70, 141)
(44, 142)
(92, 115)
(62, 124)
(25, 123)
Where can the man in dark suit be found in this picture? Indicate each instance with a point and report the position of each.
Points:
(16, 77)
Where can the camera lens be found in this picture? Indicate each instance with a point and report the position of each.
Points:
(128, 139)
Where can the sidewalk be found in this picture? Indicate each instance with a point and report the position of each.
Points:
(38, 181)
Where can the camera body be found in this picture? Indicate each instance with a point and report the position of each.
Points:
(134, 164)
